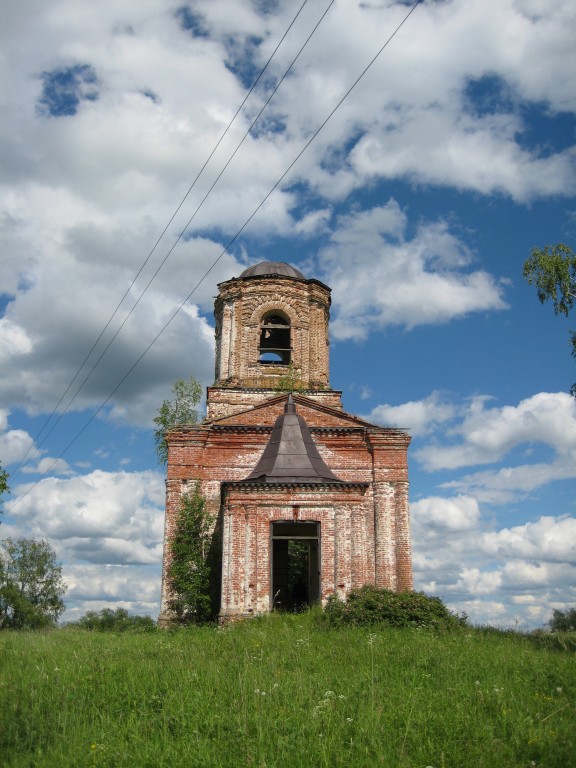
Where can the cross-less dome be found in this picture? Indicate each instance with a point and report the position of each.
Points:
(272, 268)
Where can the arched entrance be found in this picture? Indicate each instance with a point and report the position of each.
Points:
(295, 565)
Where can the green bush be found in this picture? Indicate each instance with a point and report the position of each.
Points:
(119, 620)
(369, 606)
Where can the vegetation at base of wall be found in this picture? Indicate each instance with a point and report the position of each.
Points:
(369, 606)
(191, 570)
(119, 620)
(283, 692)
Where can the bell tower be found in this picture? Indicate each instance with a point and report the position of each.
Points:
(283, 469)
(271, 336)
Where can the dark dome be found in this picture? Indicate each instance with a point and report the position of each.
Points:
(272, 268)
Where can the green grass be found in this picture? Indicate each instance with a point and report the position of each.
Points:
(283, 691)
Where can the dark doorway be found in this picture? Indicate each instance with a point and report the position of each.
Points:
(295, 565)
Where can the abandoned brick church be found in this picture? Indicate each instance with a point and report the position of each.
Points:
(309, 501)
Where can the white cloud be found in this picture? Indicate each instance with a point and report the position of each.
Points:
(488, 434)
(55, 466)
(106, 528)
(419, 416)
(104, 507)
(379, 278)
(14, 445)
(505, 576)
(548, 539)
(460, 513)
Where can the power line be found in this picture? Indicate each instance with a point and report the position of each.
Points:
(37, 444)
(227, 247)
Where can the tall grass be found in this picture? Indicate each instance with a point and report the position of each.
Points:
(284, 691)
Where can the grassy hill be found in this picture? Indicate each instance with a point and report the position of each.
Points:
(284, 691)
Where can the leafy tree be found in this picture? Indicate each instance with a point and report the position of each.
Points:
(4, 488)
(553, 271)
(180, 410)
(190, 571)
(119, 620)
(31, 585)
(563, 621)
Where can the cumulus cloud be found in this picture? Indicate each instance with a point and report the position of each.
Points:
(14, 443)
(108, 115)
(487, 434)
(101, 147)
(380, 278)
(548, 539)
(530, 567)
(106, 527)
(419, 416)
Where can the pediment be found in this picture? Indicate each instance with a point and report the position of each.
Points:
(315, 415)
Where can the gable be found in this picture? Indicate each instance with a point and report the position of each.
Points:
(315, 415)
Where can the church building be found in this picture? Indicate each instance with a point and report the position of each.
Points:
(308, 500)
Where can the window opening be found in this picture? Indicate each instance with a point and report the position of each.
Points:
(275, 347)
(295, 565)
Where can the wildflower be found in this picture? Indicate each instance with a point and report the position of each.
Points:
(349, 719)
(559, 690)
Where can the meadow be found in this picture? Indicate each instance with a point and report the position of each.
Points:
(286, 691)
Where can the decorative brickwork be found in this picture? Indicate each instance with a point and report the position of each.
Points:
(354, 529)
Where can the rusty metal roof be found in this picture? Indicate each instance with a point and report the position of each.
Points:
(269, 268)
(291, 454)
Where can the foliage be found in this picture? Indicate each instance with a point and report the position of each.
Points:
(291, 381)
(370, 606)
(31, 585)
(563, 621)
(119, 620)
(180, 410)
(280, 691)
(190, 571)
(553, 271)
(4, 488)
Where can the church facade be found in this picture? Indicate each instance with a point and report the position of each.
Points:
(308, 500)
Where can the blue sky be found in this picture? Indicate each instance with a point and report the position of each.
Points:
(417, 202)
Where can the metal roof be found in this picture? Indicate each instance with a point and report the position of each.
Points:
(269, 268)
(291, 454)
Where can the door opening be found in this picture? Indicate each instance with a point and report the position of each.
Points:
(295, 565)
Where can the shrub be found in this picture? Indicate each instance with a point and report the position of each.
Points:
(119, 620)
(368, 606)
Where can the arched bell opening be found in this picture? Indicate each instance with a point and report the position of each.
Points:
(275, 339)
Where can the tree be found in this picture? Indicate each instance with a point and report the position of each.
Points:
(563, 621)
(553, 271)
(190, 571)
(180, 410)
(4, 487)
(119, 620)
(31, 585)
